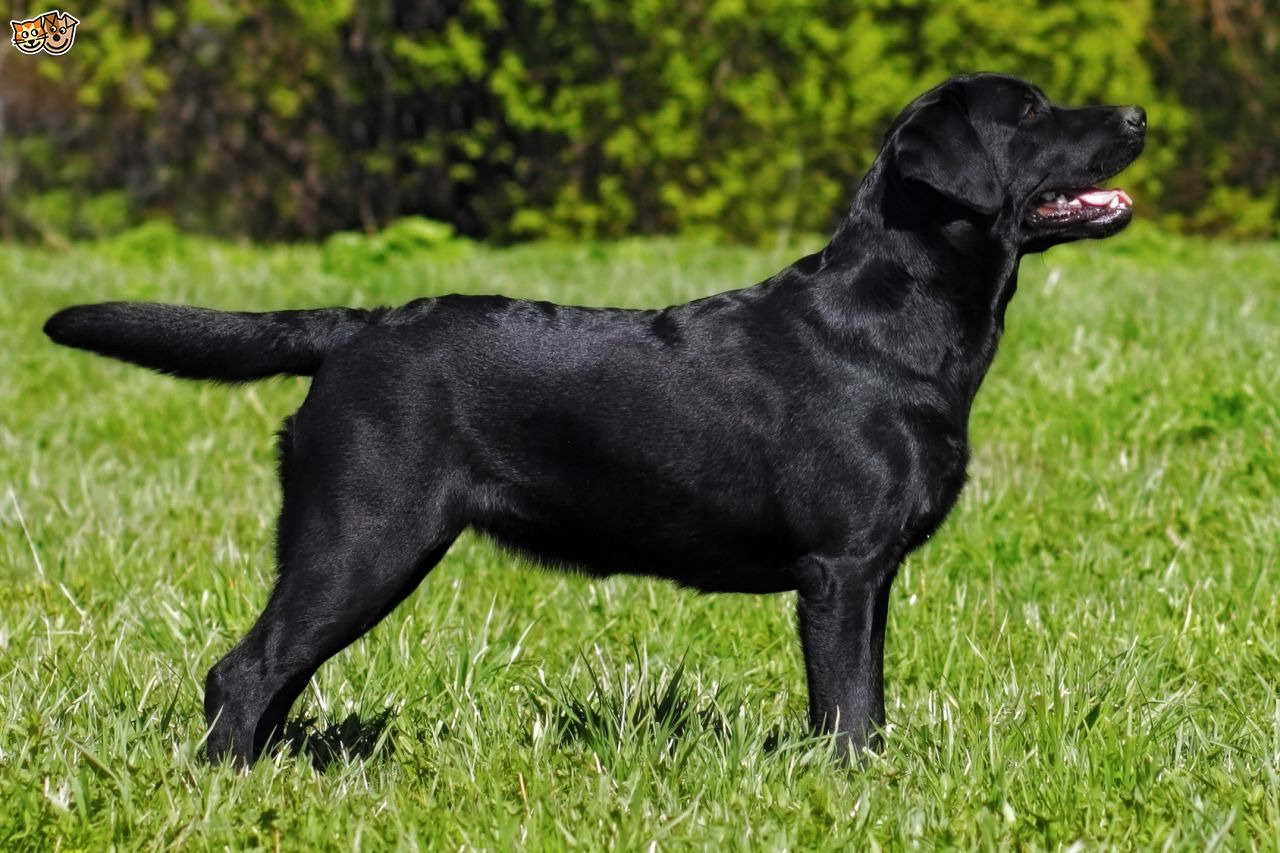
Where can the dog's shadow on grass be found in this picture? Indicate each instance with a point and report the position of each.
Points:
(645, 707)
(355, 737)
(604, 721)
(622, 709)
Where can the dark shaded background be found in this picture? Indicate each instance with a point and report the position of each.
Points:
(571, 118)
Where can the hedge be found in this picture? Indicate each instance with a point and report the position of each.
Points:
(512, 119)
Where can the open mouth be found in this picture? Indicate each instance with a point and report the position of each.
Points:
(1084, 206)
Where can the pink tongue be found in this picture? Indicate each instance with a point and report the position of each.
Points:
(1098, 198)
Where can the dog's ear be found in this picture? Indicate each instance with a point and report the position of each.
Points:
(938, 146)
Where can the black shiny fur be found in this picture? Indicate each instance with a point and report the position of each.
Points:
(803, 434)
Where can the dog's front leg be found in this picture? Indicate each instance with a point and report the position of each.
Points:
(842, 607)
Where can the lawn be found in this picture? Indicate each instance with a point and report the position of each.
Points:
(1088, 651)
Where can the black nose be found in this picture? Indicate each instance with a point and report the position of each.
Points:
(1135, 118)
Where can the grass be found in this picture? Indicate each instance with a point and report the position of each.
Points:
(1088, 651)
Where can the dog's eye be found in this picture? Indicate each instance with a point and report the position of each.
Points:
(1030, 110)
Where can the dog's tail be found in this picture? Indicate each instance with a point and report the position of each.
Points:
(200, 343)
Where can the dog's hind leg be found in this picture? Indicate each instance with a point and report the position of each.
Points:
(359, 530)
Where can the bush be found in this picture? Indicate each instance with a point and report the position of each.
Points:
(156, 241)
(348, 252)
(522, 118)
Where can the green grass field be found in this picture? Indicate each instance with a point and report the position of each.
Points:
(1088, 651)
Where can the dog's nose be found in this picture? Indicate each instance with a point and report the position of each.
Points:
(1135, 118)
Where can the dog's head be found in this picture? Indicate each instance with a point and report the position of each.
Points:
(60, 32)
(994, 150)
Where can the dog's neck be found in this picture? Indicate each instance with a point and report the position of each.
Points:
(946, 262)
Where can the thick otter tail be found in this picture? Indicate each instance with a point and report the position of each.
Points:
(200, 343)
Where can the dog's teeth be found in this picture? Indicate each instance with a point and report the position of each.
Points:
(1105, 198)
(1075, 202)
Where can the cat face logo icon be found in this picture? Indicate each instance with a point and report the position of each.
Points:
(52, 31)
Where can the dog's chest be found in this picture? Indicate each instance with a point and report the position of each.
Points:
(944, 467)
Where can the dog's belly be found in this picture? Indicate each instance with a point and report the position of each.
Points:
(680, 543)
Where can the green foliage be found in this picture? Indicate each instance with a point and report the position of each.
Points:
(522, 118)
(75, 214)
(1084, 657)
(152, 242)
(348, 252)
(1222, 58)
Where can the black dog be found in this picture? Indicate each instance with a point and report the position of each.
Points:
(803, 434)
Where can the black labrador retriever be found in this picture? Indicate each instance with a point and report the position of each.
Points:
(803, 434)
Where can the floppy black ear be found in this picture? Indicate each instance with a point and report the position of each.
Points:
(937, 145)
